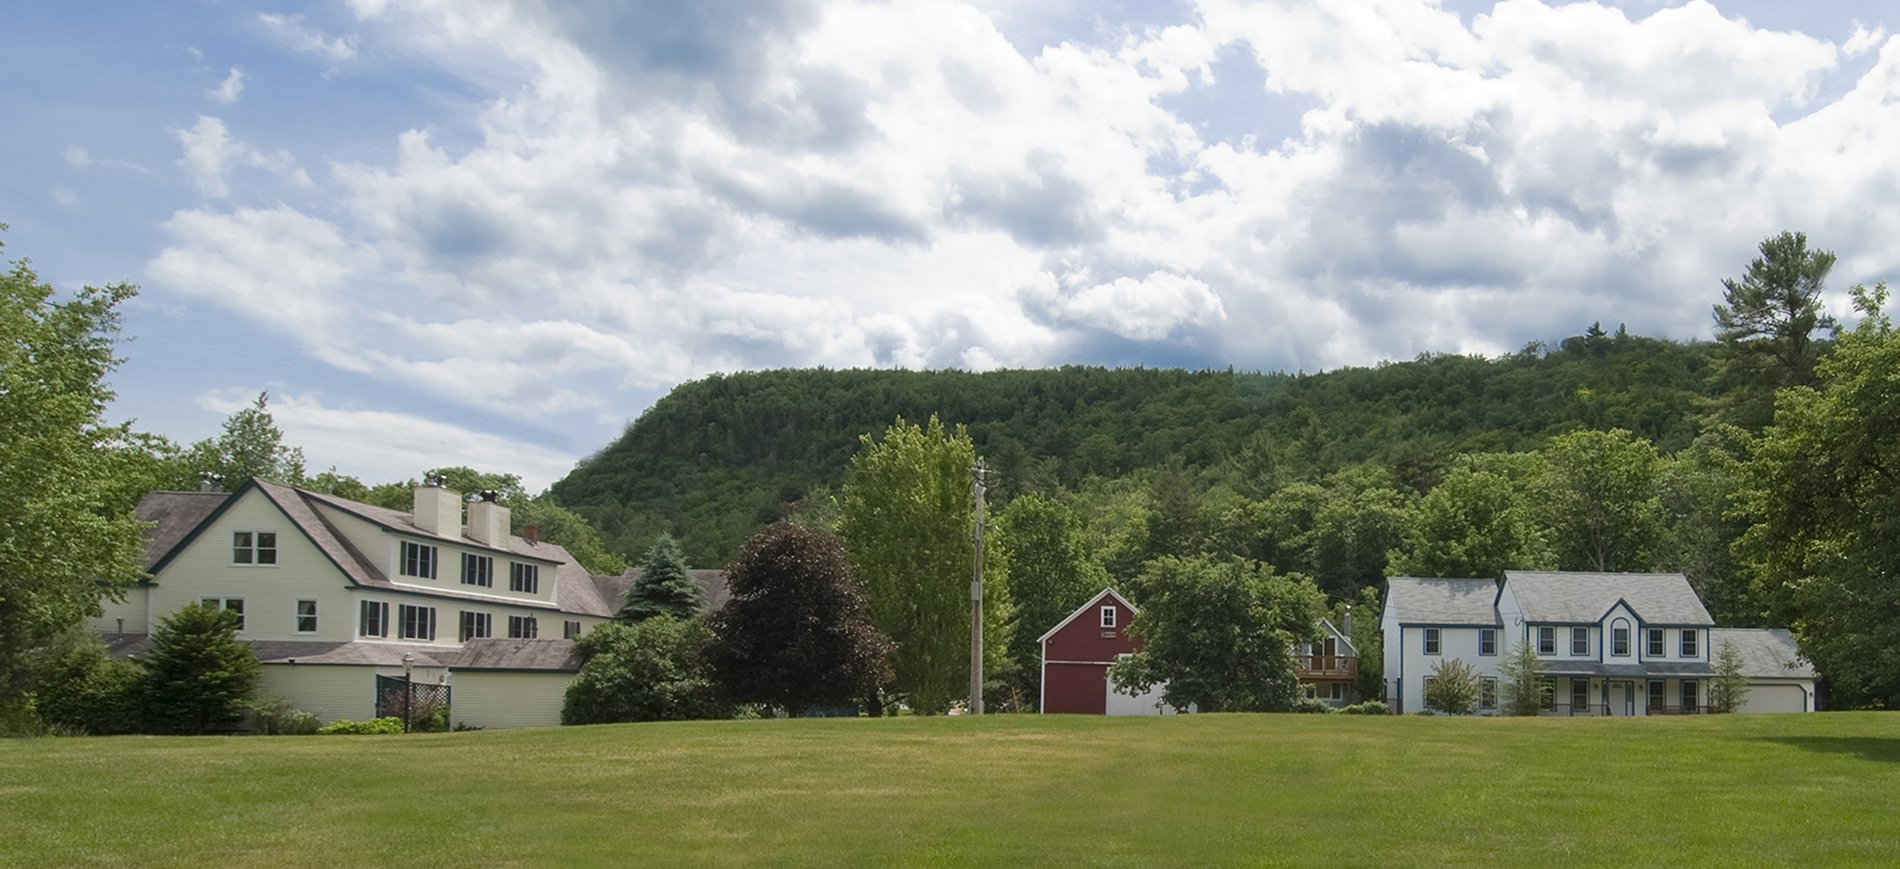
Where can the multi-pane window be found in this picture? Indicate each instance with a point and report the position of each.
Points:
(1579, 694)
(478, 570)
(1579, 641)
(1108, 616)
(1487, 641)
(254, 547)
(230, 604)
(1655, 643)
(1656, 698)
(476, 626)
(1620, 639)
(1488, 694)
(523, 628)
(306, 616)
(1431, 641)
(1688, 643)
(1689, 696)
(416, 622)
(375, 619)
(418, 559)
(524, 578)
(1546, 641)
(570, 630)
(1337, 691)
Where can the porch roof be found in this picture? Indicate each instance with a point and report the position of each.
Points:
(1649, 670)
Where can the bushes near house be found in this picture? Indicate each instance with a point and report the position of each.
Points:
(1368, 707)
(275, 716)
(653, 671)
(1525, 691)
(79, 689)
(373, 727)
(1452, 688)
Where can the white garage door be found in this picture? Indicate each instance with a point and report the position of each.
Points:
(1775, 698)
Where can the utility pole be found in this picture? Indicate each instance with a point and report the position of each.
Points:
(979, 480)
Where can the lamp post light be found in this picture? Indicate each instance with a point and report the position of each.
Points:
(408, 688)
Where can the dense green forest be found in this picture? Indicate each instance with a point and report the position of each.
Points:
(717, 457)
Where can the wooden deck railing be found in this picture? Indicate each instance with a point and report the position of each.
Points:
(1325, 666)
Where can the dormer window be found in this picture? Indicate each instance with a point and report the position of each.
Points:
(1108, 616)
(254, 548)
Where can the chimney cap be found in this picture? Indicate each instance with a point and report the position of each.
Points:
(490, 495)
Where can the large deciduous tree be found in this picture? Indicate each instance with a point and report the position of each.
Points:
(197, 675)
(664, 587)
(67, 534)
(796, 632)
(1220, 634)
(1051, 573)
(907, 526)
(1605, 510)
(1822, 491)
(653, 671)
(251, 445)
(1480, 521)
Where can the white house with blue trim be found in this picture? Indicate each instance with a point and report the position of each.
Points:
(1610, 643)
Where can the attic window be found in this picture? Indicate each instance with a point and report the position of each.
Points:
(256, 548)
(1108, 616)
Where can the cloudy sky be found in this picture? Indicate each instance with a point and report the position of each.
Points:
(492, 234)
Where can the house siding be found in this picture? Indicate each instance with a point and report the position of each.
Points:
(498, 699)
(204, 569)
(135, 610)
(328, 692)
(1080, 689)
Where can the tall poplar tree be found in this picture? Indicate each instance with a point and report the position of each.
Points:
(1051, 573)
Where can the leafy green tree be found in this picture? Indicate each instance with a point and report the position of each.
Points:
(1767, 319)
(1730, 686)
(1369, 683)
(198, 677)
(557, 524)
(653, 671)
(908, 524)
(1359, 523)
(1452, 688)
(79, 688)
(1822, 495)
(1220, 634)
(1698, 488)
(1522, 673)
(1479, 522)
(1051, 573)
(796, 633)
(251, 445)
(67, 534)
(664, 586)
(330, 482)
(1605, 511)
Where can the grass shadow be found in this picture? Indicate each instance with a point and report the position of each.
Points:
(1881, 749)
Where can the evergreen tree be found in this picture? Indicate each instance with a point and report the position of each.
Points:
(1522, 673)
(1767, 320)
(1730, 686)
(197, 675)
(67, 534)
(664, 587)
(796, 632)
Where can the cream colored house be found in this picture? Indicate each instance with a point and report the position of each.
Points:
(333, 593)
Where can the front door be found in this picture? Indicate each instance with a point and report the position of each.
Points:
(1619, 698)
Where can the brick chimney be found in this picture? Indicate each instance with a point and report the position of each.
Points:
(531, 533)
(438, 510)
(488, 520)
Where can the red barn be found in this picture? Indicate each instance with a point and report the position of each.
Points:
(1076, 654)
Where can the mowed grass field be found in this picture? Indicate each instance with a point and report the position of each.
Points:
(1002, 790)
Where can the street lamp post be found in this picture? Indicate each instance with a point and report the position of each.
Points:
(408, 687)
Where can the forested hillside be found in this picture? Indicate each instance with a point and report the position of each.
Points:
(717, 457)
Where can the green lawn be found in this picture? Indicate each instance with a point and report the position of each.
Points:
(1018, 790)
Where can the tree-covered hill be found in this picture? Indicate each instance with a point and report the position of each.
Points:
(716, 457)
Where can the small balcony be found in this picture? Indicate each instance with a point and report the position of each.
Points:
(1315, 667)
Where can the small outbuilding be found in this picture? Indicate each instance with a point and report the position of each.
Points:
(1077, 653)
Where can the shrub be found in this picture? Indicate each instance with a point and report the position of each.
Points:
(80, 689)
(198, 675)
(373, 727)
(1452, 688)
(1369, 707)
(276, 717)
(1311, 706)
(653, 671)
(427, 712)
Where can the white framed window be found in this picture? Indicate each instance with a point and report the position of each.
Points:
(1689, 649)
(523, 627)
(228, 604)
(1338, 691)
(1654, 640)
(476, 626)
(478, 570)
(374, 620)
(1546, 640)
(1579, 694)
(1689, 691)
(254, 548)
(1620, 638)
(416, 622)
(524, 578)
(1487, 641)
(570, 630)
(1579, 641)
(306, 616)
(418, 560)
(1657, 700)
(1108, 616)
(1431, 641)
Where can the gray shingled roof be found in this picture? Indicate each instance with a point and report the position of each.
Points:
(1580, 598)
(1767, 653)
(505, 654)
(1421, 601)
(351, 652)
(173, 515)
(613, 589)
(1651, 669)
